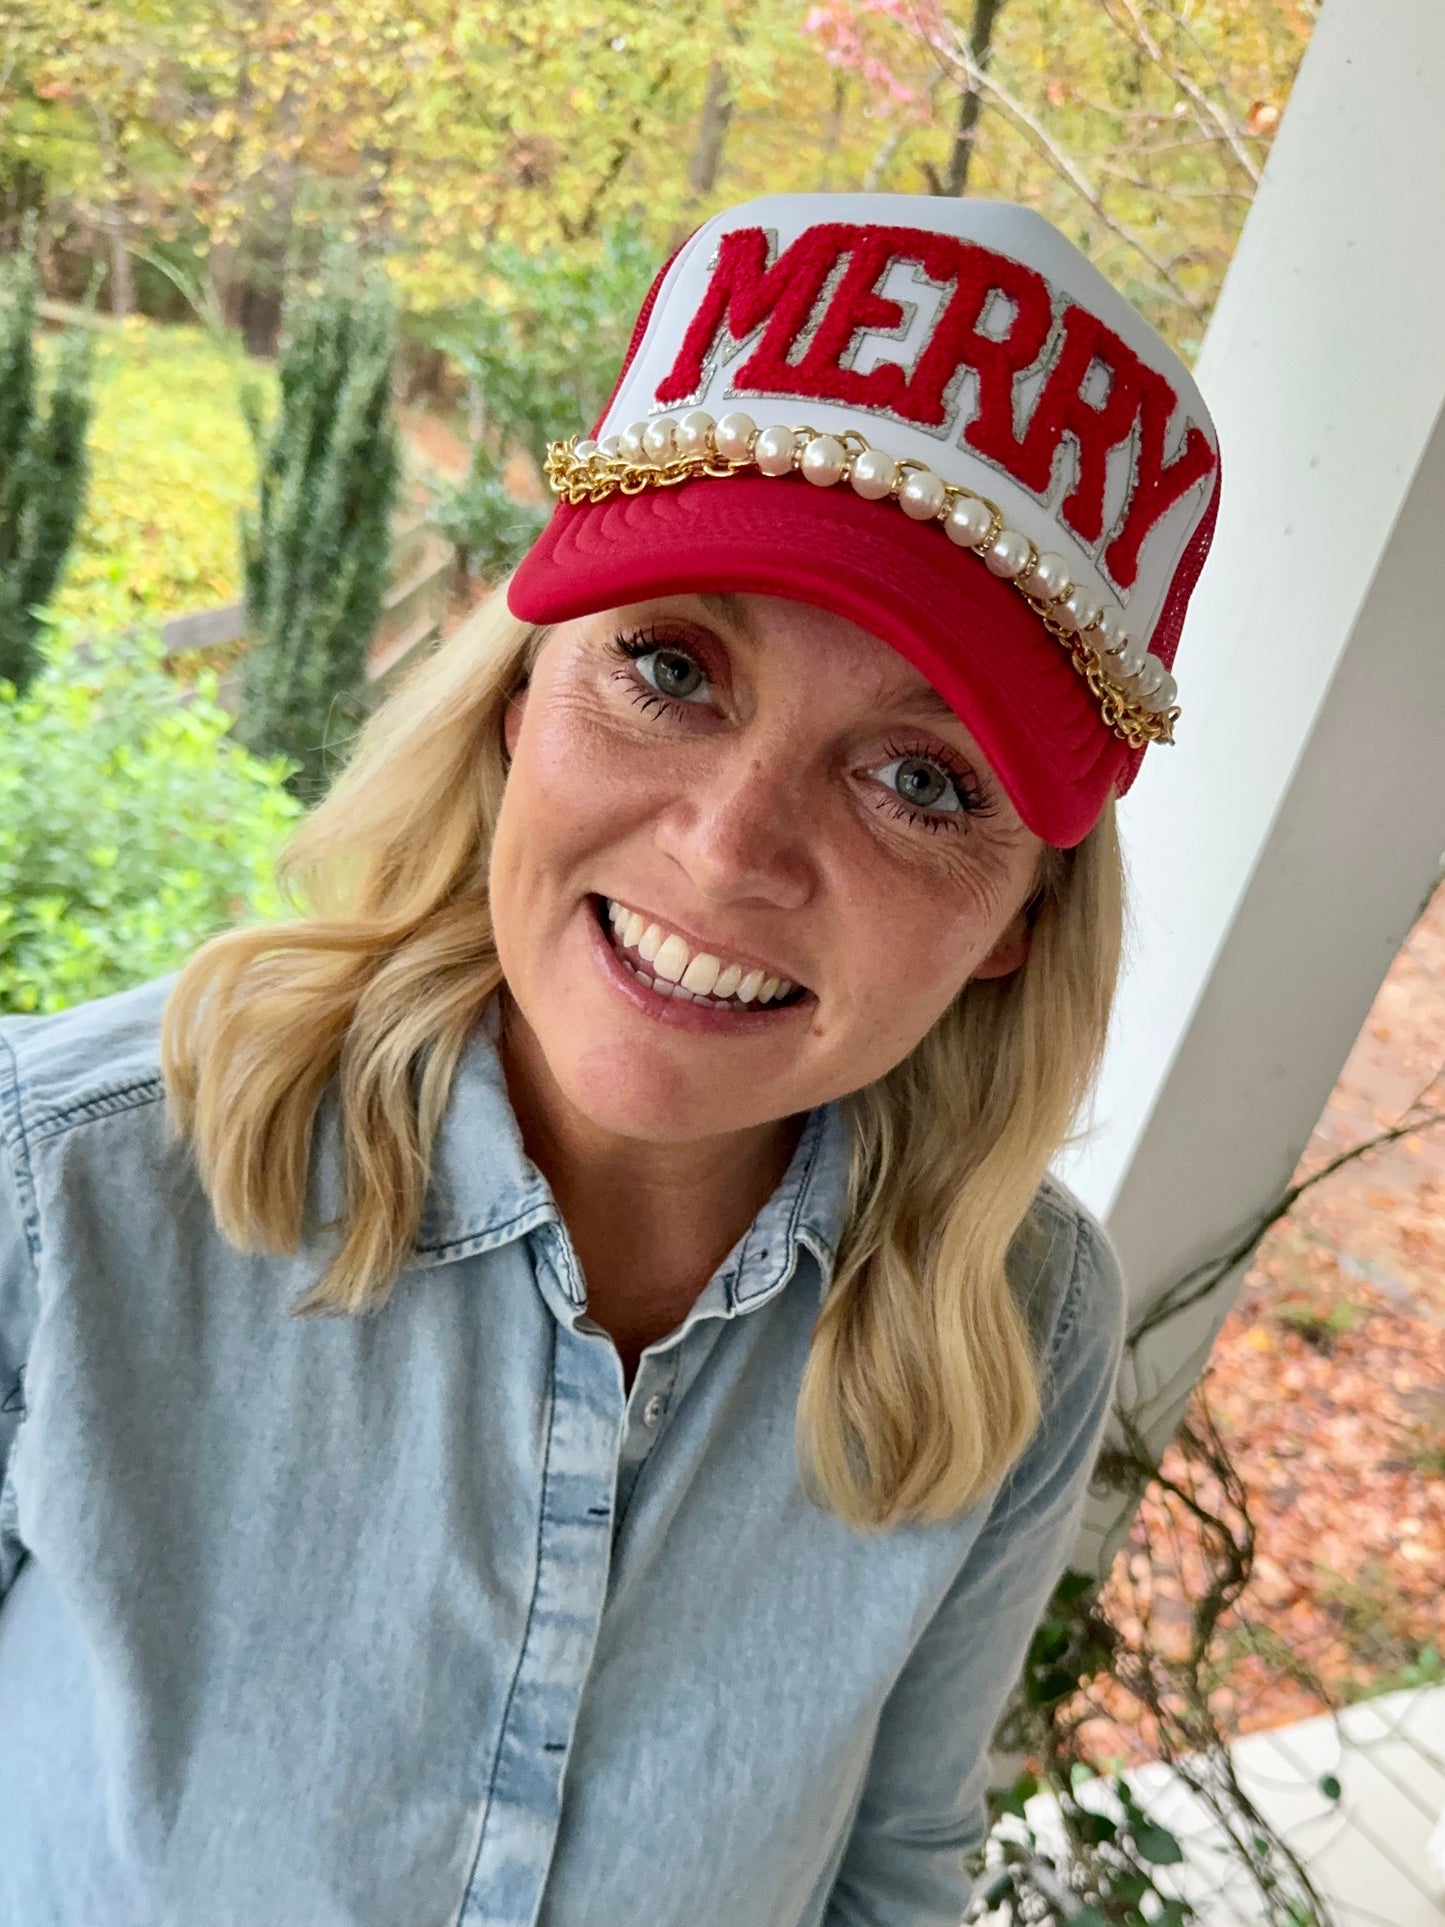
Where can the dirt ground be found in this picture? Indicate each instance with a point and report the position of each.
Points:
(1328, 1385)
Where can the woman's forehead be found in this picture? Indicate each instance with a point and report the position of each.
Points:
(880, 676)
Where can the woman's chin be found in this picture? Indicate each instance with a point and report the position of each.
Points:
(635, 1093)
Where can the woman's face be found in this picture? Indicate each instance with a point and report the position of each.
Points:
(778, 792)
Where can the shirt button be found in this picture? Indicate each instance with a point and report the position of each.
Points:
(653, 1410)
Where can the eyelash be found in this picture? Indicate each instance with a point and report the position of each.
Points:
(973, 801)
(646, 642)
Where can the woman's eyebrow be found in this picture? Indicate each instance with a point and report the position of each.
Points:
(731, 609)
(925, 702)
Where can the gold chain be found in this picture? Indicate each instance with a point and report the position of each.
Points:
(595, 477)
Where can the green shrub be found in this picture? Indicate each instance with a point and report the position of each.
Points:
(131, 826)
(488, 527)
(542, 348)
(42, 463)
(317, 549)
(541, 352)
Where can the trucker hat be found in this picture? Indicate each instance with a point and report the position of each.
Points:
(932, 416)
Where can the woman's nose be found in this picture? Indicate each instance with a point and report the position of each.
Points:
(744, 828)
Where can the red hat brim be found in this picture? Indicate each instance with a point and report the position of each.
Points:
(973, 636)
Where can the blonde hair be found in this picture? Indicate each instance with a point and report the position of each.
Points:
(921, 1387)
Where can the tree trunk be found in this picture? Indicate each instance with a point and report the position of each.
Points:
(980, 40)
(707, 150)
(122, 275)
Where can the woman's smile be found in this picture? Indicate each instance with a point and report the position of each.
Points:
(680, 965)
(649, 966)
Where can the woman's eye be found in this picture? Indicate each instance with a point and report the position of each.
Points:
(921, 783)
(673, 674)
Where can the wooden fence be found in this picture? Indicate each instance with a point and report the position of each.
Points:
(423, 570)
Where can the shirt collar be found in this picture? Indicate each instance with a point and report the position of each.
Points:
(484, 1191)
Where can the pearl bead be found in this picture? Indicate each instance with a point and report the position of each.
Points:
(733, 436)
(824, 460)
(658, 440)
(1163, 697)
(1009, 554)
(1048, 579)
(633, 441)
(922, 494)
(873, 474)
(1148, 677)
(968, 521)
(1110, 633)
(1077, 610)
(774, 450)
(692, 432)
(1129, 657)
(584, 450)
(610, 446)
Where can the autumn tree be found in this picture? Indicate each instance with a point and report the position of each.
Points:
(1137, 126)
(201, 133)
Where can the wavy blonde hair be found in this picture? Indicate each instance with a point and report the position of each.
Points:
(922, 1385)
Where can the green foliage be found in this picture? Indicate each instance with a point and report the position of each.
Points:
(488, 527)
(131, 826)
(1115, 1846)
(541, 353)
(317, 548)
(1108, 1881)
(172, 466)
(544, 346)
(42, 465)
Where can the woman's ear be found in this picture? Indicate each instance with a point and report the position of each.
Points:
(1010, 952)
(512, 720)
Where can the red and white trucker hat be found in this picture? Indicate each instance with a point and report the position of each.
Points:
(933, 417)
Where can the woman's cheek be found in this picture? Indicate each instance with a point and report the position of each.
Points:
(578, 753)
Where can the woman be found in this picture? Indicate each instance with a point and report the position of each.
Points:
(703, 956)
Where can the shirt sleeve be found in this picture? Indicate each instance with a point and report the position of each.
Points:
(923, 1806)
(18, 1311)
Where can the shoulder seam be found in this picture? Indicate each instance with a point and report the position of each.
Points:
(105, 1101)
(1084, 1238)
(12, 1122)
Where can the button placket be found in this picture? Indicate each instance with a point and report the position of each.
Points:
(574, 1555)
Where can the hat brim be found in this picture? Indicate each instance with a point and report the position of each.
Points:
(972, 635)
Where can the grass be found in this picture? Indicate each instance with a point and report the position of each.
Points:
(1376, 1624)
(171, 464)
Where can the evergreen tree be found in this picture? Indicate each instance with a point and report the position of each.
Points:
(316, 549)
(43, 464)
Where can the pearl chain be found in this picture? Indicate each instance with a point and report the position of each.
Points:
(1135, 690)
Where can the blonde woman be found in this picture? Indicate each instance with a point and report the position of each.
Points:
(555, 1386)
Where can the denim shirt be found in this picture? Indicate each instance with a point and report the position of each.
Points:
(417, 1618)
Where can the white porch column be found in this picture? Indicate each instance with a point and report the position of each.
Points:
(1281, 849)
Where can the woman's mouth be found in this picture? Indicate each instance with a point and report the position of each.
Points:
(670, 966)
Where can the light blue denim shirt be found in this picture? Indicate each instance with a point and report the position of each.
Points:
(416, 1619)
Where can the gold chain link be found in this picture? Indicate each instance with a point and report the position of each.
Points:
(595, 477)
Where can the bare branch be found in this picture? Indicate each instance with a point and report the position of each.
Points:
(1198, 1284)
(960, 57)
(1187, 85)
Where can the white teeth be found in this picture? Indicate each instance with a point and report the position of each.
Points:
(670, 959)
(702, 973)
(703, 978)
